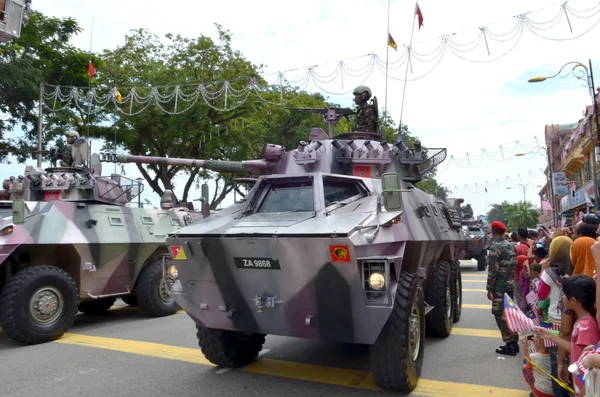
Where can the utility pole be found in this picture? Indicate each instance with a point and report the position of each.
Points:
(40, 123)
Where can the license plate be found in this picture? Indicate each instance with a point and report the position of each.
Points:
(257, 263)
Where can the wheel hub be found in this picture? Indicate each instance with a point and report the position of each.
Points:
(164, 294)
(46, 305)
(458, 294)
(415, 332)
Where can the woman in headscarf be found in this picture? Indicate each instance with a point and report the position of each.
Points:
(557, 266)
(581, 254)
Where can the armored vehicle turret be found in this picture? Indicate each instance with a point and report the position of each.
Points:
(333, 242)
(69, 242)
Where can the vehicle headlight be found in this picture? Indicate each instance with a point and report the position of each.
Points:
(471, 236)
(376, 281)
(6, 231)
(173, 273)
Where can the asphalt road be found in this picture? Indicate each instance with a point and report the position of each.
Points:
(126, 354)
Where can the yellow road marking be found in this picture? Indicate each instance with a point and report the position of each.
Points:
(474, 290)
(476, 306)
(482, 333)
(137, 347)
(287, 369)
(364, 380)
(482, 274)
(474, 281)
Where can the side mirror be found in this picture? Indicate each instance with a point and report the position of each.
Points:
(392, 194)
(18, 212)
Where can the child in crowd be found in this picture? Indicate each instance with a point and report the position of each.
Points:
(538, 381)
(579, 296)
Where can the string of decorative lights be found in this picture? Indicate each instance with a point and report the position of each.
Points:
(232, 94)
(531, 177)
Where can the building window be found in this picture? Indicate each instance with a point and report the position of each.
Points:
(586, 171)
(577, 177)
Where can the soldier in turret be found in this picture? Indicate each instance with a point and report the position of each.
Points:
(67, 157)
(366, 118)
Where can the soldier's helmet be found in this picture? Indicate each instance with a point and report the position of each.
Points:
(363, 89)
(72, 133)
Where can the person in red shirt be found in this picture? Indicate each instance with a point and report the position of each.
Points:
(580, 296)
(522, 248)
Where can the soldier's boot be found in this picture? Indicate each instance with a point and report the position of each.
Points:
(510, 349)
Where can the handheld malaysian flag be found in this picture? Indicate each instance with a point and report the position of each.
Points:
(516, 320)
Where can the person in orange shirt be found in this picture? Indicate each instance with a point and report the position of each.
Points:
(522, 248)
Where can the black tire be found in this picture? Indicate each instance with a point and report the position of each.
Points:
(229, 348)
(130, 300)
(457, 291)
(439, 295)
(394, 366)
(16, 318)
(482, 261)
(151, 299)
(97, 307)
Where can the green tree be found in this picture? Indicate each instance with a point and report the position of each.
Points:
(143, 60)
(522, 215)
(498, 212)
(41, 55)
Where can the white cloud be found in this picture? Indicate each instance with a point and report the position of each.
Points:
(463, 106)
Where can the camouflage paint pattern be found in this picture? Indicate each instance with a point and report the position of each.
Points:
(77, 220)
(305, 274)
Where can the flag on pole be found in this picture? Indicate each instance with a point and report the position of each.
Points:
(91, 70)
(486, 189)
(391, 42)
(516, 320)
(419, 14)
(118, 94)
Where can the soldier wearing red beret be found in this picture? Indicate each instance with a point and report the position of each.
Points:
(502, 259)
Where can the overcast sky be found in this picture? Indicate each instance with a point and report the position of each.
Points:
(462, 106)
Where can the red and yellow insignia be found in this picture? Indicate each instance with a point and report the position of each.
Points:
(340, 253)
(362, 171)
(177, 252)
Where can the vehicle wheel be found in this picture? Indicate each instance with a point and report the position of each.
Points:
(38, 304)
(397, 355)
(97, 307)
(229, 348)
(482, 261)
(457, 291)
(130, 300)
(439, 295)
(152, 292)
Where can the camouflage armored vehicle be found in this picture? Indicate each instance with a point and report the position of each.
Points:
(478, 242)
(69, 242)
(333, 242)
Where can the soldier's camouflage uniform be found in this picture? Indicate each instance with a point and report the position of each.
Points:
(502, 261)
(67, 157)
(366, 119)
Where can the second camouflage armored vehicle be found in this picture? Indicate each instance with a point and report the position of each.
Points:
(333, 242)
(478, 242)
(69, 243)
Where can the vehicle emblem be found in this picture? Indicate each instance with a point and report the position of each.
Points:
(362, 171)
(340, 253)
(177, 252)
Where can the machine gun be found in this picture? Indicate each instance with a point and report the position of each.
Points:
(330, 115)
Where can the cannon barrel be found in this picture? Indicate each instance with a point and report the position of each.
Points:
(213, 165)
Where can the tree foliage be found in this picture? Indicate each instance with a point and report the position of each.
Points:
(41, 55)
(522, 215)
(514, 215)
